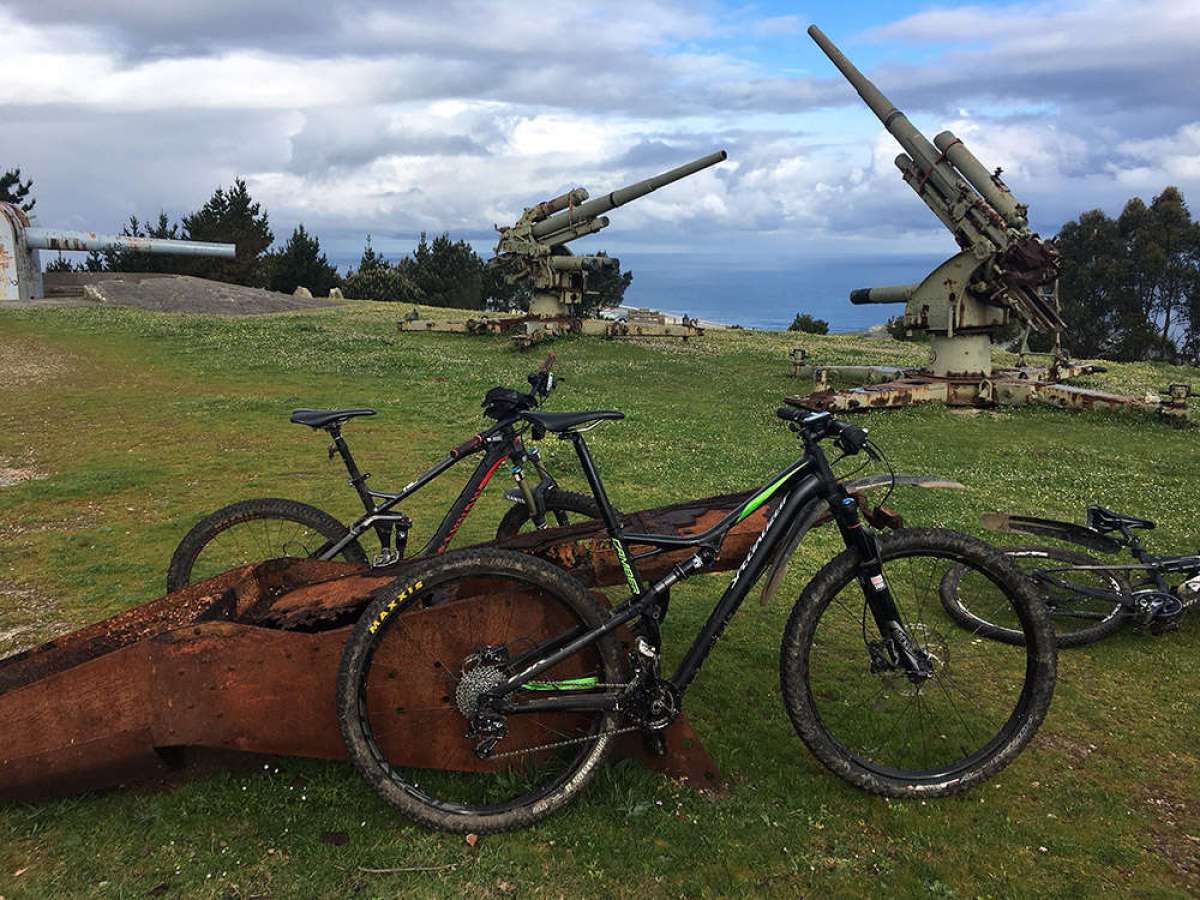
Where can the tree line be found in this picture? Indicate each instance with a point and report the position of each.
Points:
(439, 272)
(1130, 285)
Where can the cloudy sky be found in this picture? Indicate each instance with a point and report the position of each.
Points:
(390, 118)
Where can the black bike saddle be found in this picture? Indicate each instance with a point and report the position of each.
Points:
(1104, 520)
(323, 418)
(560, 422)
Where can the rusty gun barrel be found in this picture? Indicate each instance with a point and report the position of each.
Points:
(561, 202)
(569, 218)
(994, 190)
(57, 239)
(892, 293)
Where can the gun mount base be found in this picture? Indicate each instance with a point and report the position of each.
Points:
(526, 331)
(887, 388)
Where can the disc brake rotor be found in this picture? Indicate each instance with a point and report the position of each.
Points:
(931, 642)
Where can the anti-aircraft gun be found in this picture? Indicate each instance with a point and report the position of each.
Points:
(1003, 272)
(533, 252)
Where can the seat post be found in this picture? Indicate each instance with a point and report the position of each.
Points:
(357, 478)
(607, 515)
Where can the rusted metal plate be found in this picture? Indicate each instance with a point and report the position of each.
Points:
(227, 686)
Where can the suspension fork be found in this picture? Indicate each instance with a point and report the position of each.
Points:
(876, 590)
(517, 458)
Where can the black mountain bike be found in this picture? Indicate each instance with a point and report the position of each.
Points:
(254, 530)
(530, 680)
(1087, 599)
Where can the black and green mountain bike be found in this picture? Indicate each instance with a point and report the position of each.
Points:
(530, 683)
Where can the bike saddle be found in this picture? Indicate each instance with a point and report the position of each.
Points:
(1103, 520)
(323, 418)
(562, 422)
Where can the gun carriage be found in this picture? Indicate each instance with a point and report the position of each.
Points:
(533, 253)
(1003, 274)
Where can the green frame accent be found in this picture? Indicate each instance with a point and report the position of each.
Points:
(765, 494)
(582, 683)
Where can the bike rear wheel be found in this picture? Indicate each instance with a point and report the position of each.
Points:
(562, 508)
(1078, 617)
(416, 667)
(873, 725)
(253, 530)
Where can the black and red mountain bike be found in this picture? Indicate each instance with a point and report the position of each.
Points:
(270, 527)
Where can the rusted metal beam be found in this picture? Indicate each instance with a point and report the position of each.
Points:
(1006, 387)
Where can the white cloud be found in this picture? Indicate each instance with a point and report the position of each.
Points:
(360, 116)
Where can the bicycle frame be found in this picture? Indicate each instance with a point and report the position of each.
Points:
(808, 480)
(498, 443)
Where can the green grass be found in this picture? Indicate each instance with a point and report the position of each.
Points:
(143, 422)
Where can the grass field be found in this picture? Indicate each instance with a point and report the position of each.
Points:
(119, 429)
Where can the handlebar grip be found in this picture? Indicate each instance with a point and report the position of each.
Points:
(470, 445)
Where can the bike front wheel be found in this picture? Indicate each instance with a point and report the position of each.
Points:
(415, 678)
(253, 530)
(886, 731)
(1084, 604)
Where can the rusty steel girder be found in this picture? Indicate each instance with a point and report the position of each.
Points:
(246, 662)
(1005, 387)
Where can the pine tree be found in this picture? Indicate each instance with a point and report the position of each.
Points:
(231, 216)
(301, 264)
(13, 191)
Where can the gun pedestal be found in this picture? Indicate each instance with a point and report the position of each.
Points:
(1004, 273)
(533, 253)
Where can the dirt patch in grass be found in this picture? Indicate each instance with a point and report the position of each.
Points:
(15, 475)
(1074, 751)
(1175, 831)
(27, 618)
(23, 363)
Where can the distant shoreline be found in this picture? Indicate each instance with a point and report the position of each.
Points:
(674, 318)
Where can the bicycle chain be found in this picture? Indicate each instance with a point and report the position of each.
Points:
(570, 741)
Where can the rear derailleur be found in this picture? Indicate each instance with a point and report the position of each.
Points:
(1157, 611)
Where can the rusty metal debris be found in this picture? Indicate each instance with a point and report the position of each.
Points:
(246, 662)
(890, 388)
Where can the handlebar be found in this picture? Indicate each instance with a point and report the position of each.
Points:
(816, 426)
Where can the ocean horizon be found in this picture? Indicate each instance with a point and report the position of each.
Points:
(770, 299)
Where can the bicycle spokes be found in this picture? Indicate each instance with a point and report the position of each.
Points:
(925, 697)
(435, 673)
